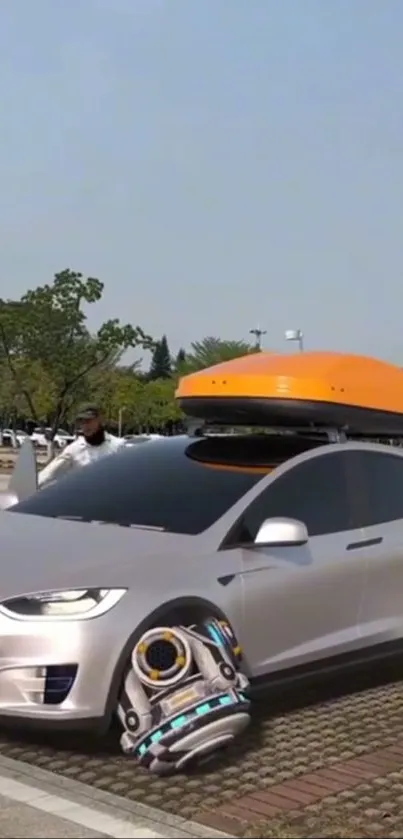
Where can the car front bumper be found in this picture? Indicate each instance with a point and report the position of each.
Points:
(55, 672)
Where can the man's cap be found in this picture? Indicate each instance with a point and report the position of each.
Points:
(88, 412)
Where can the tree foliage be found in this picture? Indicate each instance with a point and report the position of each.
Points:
(48, 327)
(212, 351)
(161, 364)
(180, 358)
(50, 360)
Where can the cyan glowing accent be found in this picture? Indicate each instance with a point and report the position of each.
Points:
(179, 721)
(142, 749)
(203, 709)
(216, 636)
(226, 700)
(156, 736)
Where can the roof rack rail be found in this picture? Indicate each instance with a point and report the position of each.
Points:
(198, 428)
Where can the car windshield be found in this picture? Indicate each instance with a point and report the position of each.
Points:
(180, 485)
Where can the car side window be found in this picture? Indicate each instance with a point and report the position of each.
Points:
(381, 477)
(314, 492)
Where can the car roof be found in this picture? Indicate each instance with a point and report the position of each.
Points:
(265, 450)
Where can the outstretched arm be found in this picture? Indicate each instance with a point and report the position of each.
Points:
(58, 466)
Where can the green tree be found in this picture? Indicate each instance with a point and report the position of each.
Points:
(161, 365)
(158, 405)
(117, 392)
(212, 351)
(181, 357)
(13, 403)
(179, 363)
(47, 330)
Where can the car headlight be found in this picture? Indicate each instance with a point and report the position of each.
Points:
(64, 605)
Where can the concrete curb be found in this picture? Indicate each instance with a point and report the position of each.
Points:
(139, 815)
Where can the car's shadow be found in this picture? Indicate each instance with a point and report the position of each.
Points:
(266, 706)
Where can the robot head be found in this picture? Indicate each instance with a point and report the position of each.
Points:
(162, 658)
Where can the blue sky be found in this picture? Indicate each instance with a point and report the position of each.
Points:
(218, 164)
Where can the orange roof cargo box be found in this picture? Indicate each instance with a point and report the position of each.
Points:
(361, 394)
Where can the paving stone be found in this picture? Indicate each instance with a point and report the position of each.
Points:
(343, 748)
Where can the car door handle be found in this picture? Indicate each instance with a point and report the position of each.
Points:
(364, 543)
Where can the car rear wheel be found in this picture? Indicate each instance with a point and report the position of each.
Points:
(184, 695)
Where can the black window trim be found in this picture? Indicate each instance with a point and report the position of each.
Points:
(360, 487)
(354, 500)
(356, 488)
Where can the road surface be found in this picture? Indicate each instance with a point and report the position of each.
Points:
(36, 803)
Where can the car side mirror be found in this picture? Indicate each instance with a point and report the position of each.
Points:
(281, 532)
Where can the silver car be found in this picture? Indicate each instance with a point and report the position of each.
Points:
(163, 583)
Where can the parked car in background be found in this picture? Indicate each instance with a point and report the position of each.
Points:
(12, 438)
(62, 438)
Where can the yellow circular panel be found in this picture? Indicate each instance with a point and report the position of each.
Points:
(154, 674)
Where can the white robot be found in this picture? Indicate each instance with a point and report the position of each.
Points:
(184, 695)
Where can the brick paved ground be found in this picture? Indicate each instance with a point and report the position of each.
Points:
(357, 797)
(333, 767)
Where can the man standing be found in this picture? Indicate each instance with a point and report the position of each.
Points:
(94, 442)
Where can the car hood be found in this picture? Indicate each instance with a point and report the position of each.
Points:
(42, 554)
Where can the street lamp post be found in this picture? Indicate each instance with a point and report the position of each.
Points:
(295, 335)
(120, 421)
(258, 333)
